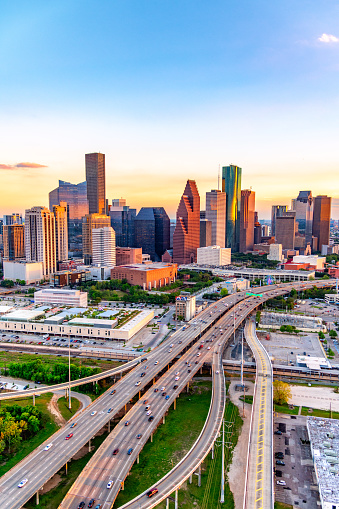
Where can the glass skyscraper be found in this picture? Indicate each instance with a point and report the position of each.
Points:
(231, 185)
(152, 231)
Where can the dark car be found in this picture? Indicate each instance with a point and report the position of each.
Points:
(279, 455)
(278, 432)
(91, 502)
(81, 505)
(196, 362)
(152, 492)
(143, 374)
(156, 390)
(145, 401)
(139, 435)
(127, 423)
(113, 392)
(130, 450)
(115, 452)
(109, 410)
(163, 394)
(151, 417)
(188, 371)
(280, 462)
(175, 386)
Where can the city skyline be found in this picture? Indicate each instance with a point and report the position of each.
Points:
(169, 94)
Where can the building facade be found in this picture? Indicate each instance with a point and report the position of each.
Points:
(9, 219)
(122, 221)
(247, 211)
(185, 306)
(152, 231)
(96, 183)
(214, 256)
(205, 233)
(277, 211)
(148, 276)
(30, 272)
(186, 238)
(285, 230)
(103, 241)
(321, 220)
(40, 244)
(128, 255)
(303, 207)
(61, 297)
(91, 221)
(216, 213)
(231, 185)
(61, 231)
(13, 241)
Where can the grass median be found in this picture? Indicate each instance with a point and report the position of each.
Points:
(63, 407)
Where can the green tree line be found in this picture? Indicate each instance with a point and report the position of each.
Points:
(17, 423)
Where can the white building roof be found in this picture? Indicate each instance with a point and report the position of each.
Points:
(93, 322)
(23, 315)
(136, 319)
(5, 309)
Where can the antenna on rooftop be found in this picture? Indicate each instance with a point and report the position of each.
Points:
(219, 178)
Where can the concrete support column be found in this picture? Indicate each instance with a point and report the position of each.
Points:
(190, 479)
(109, 426)
(175, 404)
(66, 467)
(201, 371)
(33, 399)
(213, 451)
(89, 445)
(163, 419)
(139, 394)
(122, 485)
(167, 503)
(199, 476)
(37, 497)
(151, 437)
(176, 499)
(187, 387)
(138, 459)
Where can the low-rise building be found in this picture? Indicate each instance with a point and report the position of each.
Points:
(148, 276)
(329, 249)
(61, 297)
(315, 262)
(235, 285)
(69, 277)
(214, 256)
(332, 298)
(185, 306)
(333, 272)
(128, 255)
(30, 272)
(275, 252)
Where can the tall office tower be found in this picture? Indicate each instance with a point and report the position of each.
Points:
(186, 238)
(13, 241)
(216, 213)
(40, 238)
(247, 220)
(303, 207)
(91, 221)
(103, 240)
(9, 219)
(96, 183)
(122, 222)
(257, 233)
(152, 231)
(321, 220)
(61, 231)
(285, 230)
(205, 233)
(75, 195)
(231, 185)
(277, 211)
(172, 228)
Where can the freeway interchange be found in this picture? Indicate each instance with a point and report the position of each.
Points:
(40, 465)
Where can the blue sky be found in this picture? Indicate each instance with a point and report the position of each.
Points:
(169, 90)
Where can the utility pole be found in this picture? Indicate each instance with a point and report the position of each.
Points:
(222, 495)
(69, 374)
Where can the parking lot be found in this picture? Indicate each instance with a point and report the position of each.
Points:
(298, 472)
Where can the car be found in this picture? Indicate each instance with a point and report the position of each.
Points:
(48, 446)
(98, 506)
(188, 371)
(147, 408)
(177, 378)
(196, 362)
(163, 393)
(139, 436)
(93, 413)
(152, 492)
(281, 483)
(163, 388)
(208, 348)
(156, 362)
(149, 412)
(151, 417)
(91, 502)
(156, 390)
(217, 372)
(167, 397)
(22, 483)
(109, 410)
(143, 374)
(115, 452)
(179, 342)
(137, 383)
(279, 455)
(280, 462)
(109, 485)
(127, 423)
(278, 432)
(130, 450)
(69, 436)
(198, 354)
(73, 424)
(177, 373)
(113, 392)
(81, 505)
(175, 386)
(170, 350)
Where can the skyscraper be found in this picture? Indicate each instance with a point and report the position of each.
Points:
(14, 218)
(285, 230)
(231, 185)
(152, 231)
(205, 233)
(216, 213)
(247, 211)
(40, 238)
(61, 231)
(186, 238)
(13, 241)
(277, 211)
(75, 195)
(321, 220)
(96, 183)
(303, 207)
(91, 221)
(103, 240)
(122, 222)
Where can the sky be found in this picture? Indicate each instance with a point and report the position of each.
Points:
(169, 90)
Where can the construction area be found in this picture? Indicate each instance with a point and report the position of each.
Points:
(271, 320)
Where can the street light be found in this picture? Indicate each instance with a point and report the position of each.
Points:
(69, 374)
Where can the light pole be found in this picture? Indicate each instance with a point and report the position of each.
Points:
(69, 374)
(222, 495)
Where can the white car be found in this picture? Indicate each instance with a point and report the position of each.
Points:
(177, 373)
(163, 388)
(109, 485)
(94, 412)
(156, 362)
(217, 372)
(208, 348)
(22, 483)
(198, 354)
(149, 412)
(281, 483)
(138, 383)
(177, 378)
(48, 446)
(170, 350)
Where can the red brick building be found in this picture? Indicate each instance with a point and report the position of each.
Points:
(128, 255)
(148, 276)
(186, 238)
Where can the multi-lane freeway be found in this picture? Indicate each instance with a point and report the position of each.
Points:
(41, 465)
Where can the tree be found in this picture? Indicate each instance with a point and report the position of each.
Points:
(333, 334)
(321, 335)
(223, 292)
(282, 392)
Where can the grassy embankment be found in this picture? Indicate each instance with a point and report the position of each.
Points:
(63, 407)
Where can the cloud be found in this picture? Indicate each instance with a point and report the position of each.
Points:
(30, 165)
(6, 167)
(328, 38)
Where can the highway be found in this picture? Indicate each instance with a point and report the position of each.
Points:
(259, 492)
(41, 465)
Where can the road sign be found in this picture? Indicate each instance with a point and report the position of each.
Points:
(254, 294)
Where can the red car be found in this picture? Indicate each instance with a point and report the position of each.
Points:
(69, 436)
(152, 492)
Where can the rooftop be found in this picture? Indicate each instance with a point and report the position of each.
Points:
(145, 267)
(23, 315)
